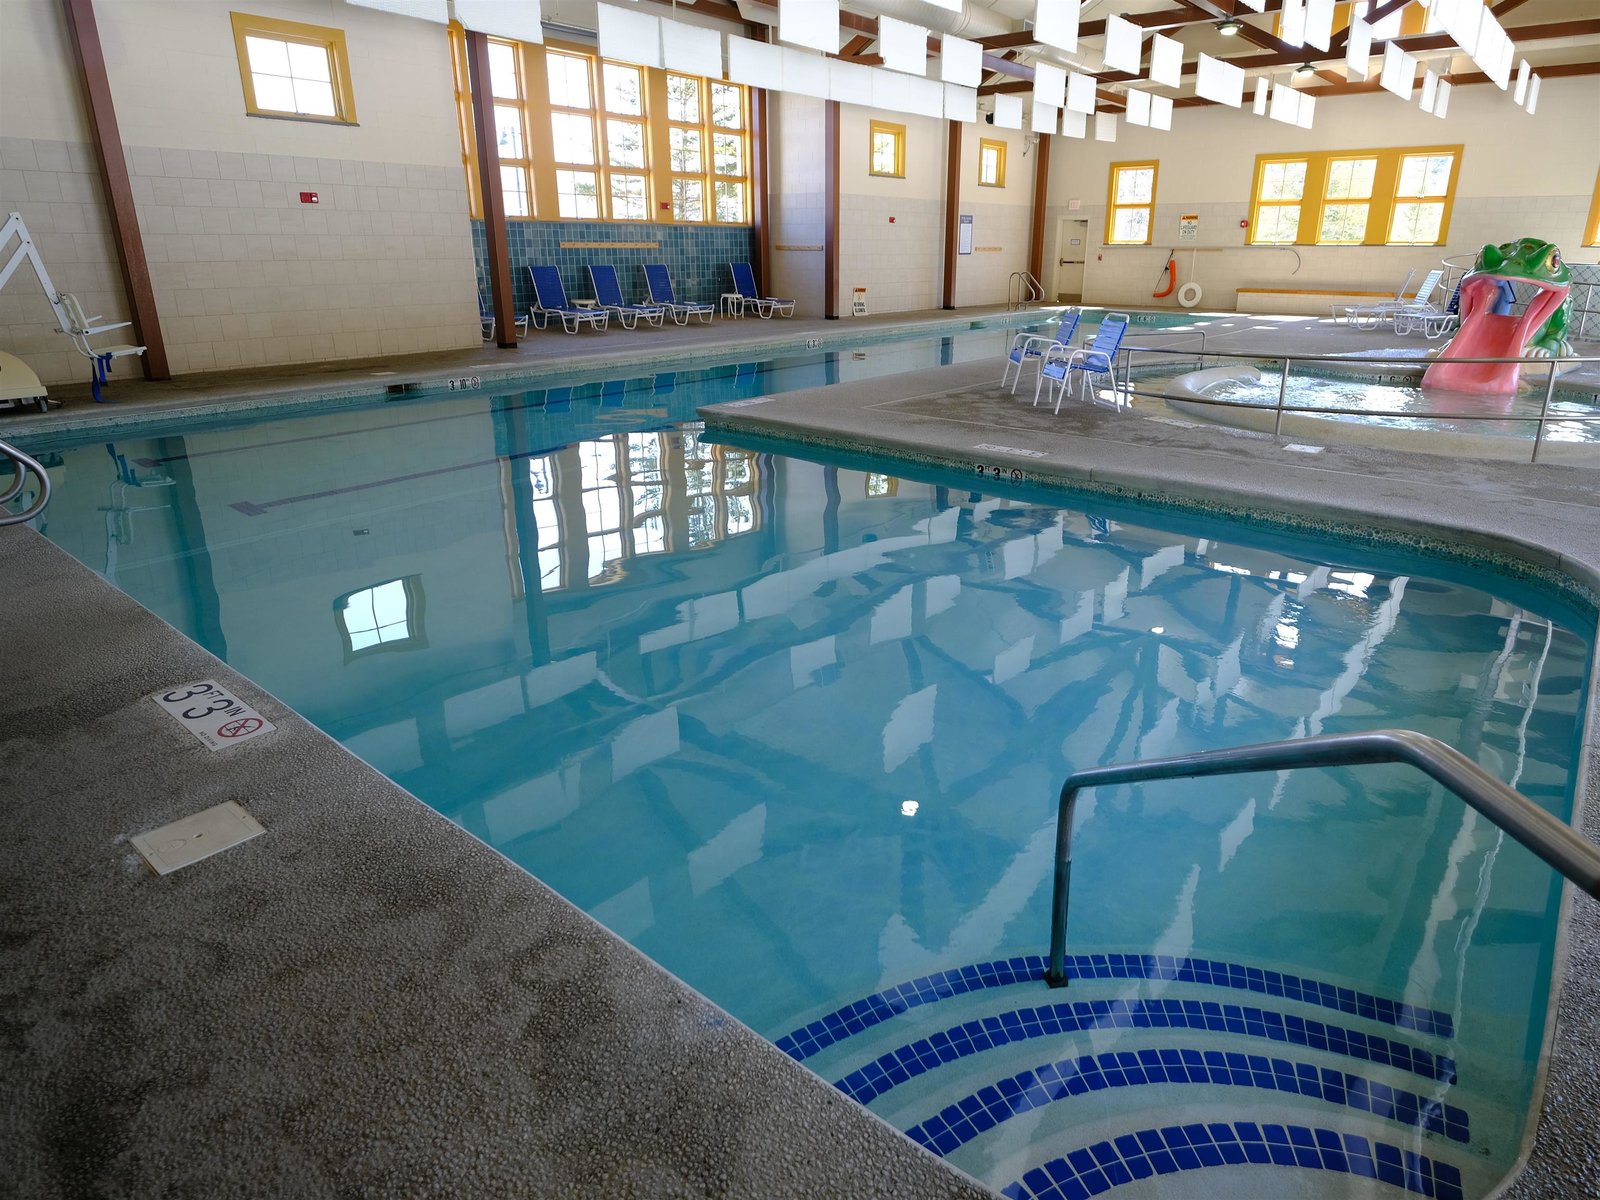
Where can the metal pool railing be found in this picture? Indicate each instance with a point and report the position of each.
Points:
(1543, 417)
(23, 467)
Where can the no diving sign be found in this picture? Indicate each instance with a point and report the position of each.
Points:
(213, 714)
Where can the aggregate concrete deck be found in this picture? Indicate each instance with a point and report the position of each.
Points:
(366, 1001)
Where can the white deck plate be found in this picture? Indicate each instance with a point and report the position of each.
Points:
(212, 713)
(193, 838)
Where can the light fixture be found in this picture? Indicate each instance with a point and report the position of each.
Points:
(1229, 28)
(1304, 70)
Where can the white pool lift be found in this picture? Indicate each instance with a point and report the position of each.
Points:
(18, 384)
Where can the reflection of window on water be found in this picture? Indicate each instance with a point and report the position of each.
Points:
(629, 488)
(881, 485)
(386, 616)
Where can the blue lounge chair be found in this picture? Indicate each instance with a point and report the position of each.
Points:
(608, 291)
(1099, 357)
(744, 284)
(1034, 346)
(658, 285)
(550, 300)
(487, 318)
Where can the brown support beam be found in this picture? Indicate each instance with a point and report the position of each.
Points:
(830, 213)
(501, 304)
(1505, 6)
(1342, 38)
(85, 34)
(1041, 186)
(952, 212)
(760, 185)
(855, 46)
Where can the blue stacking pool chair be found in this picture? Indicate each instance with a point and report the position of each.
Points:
(1026, 347)
(1099, 357)
(608, 291)
(744, 283)
(658, 286)
(487, 319)
(550, 300)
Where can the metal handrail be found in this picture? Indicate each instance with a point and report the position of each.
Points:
(23, 465)
(1557, 843)
(1015, 297)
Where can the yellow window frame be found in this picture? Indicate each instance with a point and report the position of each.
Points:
(1385, 194)
(1591, 236)
(1258, 204)
(1326, 202)
(325, 38)
(897, 135)
(1113, 208)
(984, 146)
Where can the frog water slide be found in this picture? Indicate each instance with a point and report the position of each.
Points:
(1489, 330)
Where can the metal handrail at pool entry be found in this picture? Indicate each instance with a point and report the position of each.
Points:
(23, 466)
(1552, 366)
(1557, 843)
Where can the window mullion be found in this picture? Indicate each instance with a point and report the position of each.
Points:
(1312, 197)
(540, 142)
(658, 155)
(1385, 179)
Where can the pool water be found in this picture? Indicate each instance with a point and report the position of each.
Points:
(795, 728)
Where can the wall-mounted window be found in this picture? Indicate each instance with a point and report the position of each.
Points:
(887, 152)
(1131, 204)
(610, 141)
(1591, 235)
(1399, 197)
(991, 163)
(293, 70)
(385, 616)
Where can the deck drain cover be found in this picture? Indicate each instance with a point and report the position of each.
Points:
(193, 838)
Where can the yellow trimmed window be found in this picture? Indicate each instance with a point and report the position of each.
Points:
(1591, 235)
(293, 70)
(887, 149)
(1398, 197)
(585, 138)
(991, 163)
(1131, 204)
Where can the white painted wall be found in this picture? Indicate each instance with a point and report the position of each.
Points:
(1520, 176)
(1001, 217)
(900, 261)
(798, 213)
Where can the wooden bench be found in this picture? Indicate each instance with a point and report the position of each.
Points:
(1306, 301)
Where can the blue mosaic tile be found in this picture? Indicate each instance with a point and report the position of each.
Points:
(1107, 1165)
(863, 1014)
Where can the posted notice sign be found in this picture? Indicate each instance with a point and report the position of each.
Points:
(212, 713)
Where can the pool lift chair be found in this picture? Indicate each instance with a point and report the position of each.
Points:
(550, 300)
(608, 292)
(658, 286)
(1370, 316)
(744, 287)
(18, 384)
(1099, 357)
(1032, 347)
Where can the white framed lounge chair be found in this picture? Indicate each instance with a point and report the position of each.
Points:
(486, 319)
(1032, 347)
(658, 286)
(1430, 322)
(1099, 357)
(744, 284)
(81, 328)
(1370, 316)
(1343, 310)
(608, 291)
(550, 300)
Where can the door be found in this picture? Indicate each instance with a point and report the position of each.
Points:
(1072, 246)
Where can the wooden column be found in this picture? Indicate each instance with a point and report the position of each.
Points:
(85, 34)
(1041, 188)
(760, 195)
(501, 304)
(952, 212)
(830, 212)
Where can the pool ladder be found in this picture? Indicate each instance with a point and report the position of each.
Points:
(23, 467)
(1557, 843)
(1023, 290)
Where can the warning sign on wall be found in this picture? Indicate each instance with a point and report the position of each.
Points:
(1189, 227)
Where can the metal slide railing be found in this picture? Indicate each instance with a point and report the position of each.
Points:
(23, 467)
(1558, 844)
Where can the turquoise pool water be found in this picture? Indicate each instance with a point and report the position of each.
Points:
(795, 729)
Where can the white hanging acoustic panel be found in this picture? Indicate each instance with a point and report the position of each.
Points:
(1430, 90)
(1358, 50)
(754, 64)
(1463, 22)
(1074, 124)
(926, 97)
(1046, 119)
(1166, 61)
(960, 103)
(813, 23)
(1080, 92)
(904, 46)
(890, 90)
(1105, 127)
(1441, 104)
(1263, 93)
(849, 83)
(1285, 104)
(1219, 81)
(692, 49)
(1138, 109)
(1124, 41)
(1399, 71)
(1292, 23)
(806, 74)
(960, 61)
(516, 19)
(1160, 112)
(1008, 111)
(1308, 108)
(437, 11)
(1049, 85)
(1533, 95)
(1319, 23)
(1254, 5)
(1055, 23)
(628, 35)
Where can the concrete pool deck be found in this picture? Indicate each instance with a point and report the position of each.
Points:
(365, 1000)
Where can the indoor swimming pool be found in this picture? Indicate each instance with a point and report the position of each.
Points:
(794, 727)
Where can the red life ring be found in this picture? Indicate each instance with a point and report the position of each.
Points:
(1172, 279)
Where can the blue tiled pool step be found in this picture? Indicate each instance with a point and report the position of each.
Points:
(862, 1014)
(1105, 1165)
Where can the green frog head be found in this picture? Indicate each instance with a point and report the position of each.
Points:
(1527, 258)
(1487, 294)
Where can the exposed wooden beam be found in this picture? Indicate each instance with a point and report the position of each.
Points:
(1041, 185)
(501, 304)
(85, 34)
(952, 212)
(856, 45)
(760, 188)
(1365, 86)
(830, 212)
(1337, 44)
(864, 60)
(1505, 6)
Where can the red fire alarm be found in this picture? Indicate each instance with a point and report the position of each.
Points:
(309, 198)
(1244, 224)
(891, 220)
